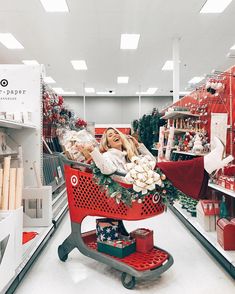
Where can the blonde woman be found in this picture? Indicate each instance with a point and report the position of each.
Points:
(189, 176)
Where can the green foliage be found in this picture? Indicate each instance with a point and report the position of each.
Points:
(148, 128)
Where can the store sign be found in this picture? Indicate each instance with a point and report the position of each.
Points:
(19, 85)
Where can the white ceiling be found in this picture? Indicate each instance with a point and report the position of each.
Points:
(92, 30)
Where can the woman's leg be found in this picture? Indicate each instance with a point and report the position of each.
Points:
(188, 176)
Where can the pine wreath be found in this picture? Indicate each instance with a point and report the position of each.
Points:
(167, 192)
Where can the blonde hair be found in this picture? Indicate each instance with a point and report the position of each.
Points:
(127, 145)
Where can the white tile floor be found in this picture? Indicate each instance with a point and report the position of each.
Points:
(194, 270)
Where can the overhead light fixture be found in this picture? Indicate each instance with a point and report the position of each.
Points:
(60, 91)
(233, 47)
(49, 80)
(168, 65)
(122, 80)
(79, 64)
(89, 90)
(9, 41)
(215, 6)
(55, 5)
(184, 92)
(230, 55)
(105, 93)
(195, 80)
(150, 91)
(129, 41)
(30, 62)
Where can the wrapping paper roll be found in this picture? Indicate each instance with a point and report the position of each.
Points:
(6, 175)
(1, 182)
(12, 189)
(19, 187)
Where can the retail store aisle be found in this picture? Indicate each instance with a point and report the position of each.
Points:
(194, 270)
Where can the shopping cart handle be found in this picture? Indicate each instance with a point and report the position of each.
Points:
(73, 163)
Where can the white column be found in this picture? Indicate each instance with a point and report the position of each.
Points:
(176, 69)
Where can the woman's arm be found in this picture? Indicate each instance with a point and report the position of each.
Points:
(103, 162)
(144, 151)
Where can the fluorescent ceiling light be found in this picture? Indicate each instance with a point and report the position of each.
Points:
(233, 47)
(9, 41)
(49, 80)
(55, 5)
(215, 6)
(129, 41)
(150, 91)
(105, 93)
(122, 80)
(195, 80)
(60, 91)
(79, 64)
(184, 92)
(30, 62)
(168, 65)
(89, 90)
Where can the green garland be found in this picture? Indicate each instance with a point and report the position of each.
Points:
(167, 192)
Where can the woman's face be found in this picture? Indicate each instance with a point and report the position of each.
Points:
(114, 139)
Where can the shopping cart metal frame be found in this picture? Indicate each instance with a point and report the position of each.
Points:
(82, 241)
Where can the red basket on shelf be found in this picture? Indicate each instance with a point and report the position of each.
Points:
(86, 198)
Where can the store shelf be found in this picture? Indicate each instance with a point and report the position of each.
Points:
(8, 154)
(189, 153)
(208, 239)
(183, 130)
(15, 125)
(222, 189)
(57, 197)
(178, 114)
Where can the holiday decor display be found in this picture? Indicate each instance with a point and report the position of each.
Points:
(197, 146)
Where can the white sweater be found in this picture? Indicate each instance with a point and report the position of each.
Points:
(114, 159)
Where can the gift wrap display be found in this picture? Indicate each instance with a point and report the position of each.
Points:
(122, 247)
(144, 239)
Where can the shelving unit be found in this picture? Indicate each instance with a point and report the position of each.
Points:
(189, 153)
(179, 114)
(221, 189)
(15, 125)
(208, 239)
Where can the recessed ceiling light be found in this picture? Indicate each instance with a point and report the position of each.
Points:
(55, 5)
(49, 80)
(129, 41)
(168, 65)
(105, 93)
(68, 93)
(9, 41)
(60, 91)
(150, 91)
(79, 64)
(184, 92)
(215, 6)
(195, 80)
(233, 47)
(122, 80)
(30, 62)
(89, 90)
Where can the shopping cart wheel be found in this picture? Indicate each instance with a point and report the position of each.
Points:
(128, 281)
(62, 254)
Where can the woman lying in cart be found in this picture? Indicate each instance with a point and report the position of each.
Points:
(189, 176)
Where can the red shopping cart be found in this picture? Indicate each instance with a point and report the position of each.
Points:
(85, 198)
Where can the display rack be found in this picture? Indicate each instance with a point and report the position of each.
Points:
(178, 114)
(208, 239)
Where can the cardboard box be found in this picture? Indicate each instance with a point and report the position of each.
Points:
(207, 212)
(118, 248)
(144, 239)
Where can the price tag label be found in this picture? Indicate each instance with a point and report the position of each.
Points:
(60, 175)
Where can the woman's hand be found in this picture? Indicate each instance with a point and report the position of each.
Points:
(136, 143)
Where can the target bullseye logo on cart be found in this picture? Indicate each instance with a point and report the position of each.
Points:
(156, 198)
(74, 180)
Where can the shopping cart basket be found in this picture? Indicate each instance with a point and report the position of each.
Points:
(85, 198)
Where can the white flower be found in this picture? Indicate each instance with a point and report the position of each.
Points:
(134, 159)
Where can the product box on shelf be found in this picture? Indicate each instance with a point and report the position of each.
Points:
(230, 183)
(37, 203)
(226, 233)
(144, 239)
(207, 213)
(7, 246)
(122, 247)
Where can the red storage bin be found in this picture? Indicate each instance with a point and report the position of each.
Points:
(144, 239)
(226, 233)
